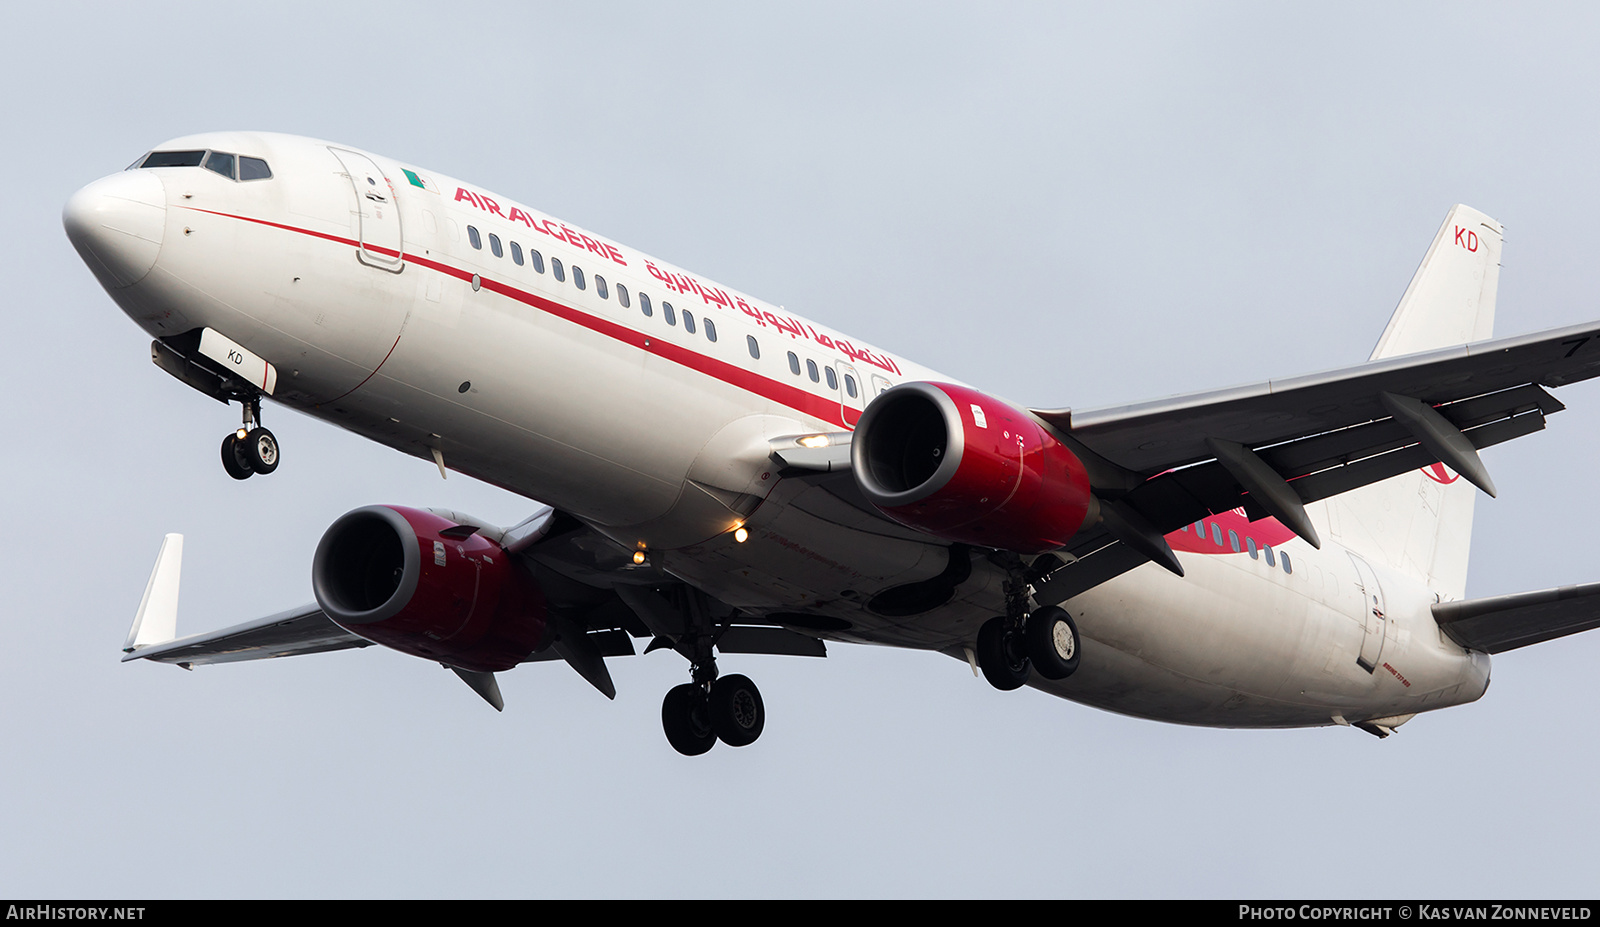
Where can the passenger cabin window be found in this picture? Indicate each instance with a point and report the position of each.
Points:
(577, 276)
(537, 260)
(1251, 544)
(1285, 558)
(555, 268)
(711, 330)
(516, 253)
(1267, 550)
(755, 349)
(644, 304)
(688, 321)
(850, 385)
(622, 295)
(494, 245)
(474, 237)
(1233, 540)
(794, 364)
(833, 381)
(600, 287)
(668, 314)
(811, 370)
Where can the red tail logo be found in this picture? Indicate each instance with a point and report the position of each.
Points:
(1439, 473)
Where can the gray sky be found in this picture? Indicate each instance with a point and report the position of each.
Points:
(1064, 205)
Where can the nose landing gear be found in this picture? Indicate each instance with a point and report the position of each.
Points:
(251, 449)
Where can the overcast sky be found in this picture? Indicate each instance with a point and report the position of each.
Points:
(1067, 206)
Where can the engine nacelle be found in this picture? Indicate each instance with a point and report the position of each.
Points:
(961, 465)
(391, 575)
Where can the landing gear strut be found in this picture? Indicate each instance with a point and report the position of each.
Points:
(1045, 642)
(252, 449)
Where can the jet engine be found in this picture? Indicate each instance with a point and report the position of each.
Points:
(425, 585)
(958, 464)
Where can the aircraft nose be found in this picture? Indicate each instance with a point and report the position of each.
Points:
(116, 223)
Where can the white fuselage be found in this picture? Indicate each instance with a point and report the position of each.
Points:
(657, 436)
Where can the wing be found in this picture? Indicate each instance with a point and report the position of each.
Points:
(1271, 447)
(588, 620)
(154, 632)
(1506, 622)
(286, 634)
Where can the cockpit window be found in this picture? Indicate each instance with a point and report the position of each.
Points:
(233, 167)
(253, 169)
(221, 163)
(173, 159)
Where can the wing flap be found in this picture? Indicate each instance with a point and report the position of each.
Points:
(1500, 623)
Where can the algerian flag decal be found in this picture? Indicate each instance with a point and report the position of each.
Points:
(417, 180)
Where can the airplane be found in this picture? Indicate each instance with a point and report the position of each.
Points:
(718, 476)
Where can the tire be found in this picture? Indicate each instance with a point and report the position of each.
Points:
(1053, 642)
(1000, 656)
(737, 713)
(262, 449)
(686, 720)
(234, 459)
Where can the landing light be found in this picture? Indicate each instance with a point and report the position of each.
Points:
(638, 556)
(741, 535)
(814, 441)
(242, 434)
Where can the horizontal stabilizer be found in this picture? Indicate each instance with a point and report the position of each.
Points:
(1506, 622)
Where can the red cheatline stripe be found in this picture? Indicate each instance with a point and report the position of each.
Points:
(782, 393)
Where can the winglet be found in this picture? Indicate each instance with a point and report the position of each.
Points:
(157, 619)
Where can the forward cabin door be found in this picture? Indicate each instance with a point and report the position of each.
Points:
(378, 217)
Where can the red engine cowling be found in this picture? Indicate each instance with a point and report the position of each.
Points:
(390, 575)
(961, 465)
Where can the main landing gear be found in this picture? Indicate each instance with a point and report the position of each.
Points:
(697, 714)
(1046, 641)
(252, 449)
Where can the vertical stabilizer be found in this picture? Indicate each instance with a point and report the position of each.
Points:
(1421, 522)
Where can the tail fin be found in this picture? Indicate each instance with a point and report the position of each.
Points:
(1421, 522)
